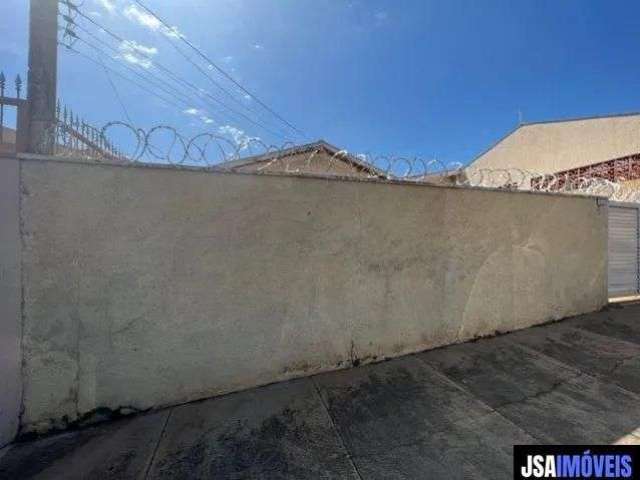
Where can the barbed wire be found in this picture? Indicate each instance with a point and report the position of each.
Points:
(163, 144)
(622, 189)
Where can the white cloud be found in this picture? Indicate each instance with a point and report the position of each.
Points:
(132, 46)
(147, 20)
(131, 58)
(173, 32)
(207, 120)
(192, 111)
(108, 5)
(247, 96)
(131, 52)
(134, 14)
(227, 59)
(95, 14)
(257, 46)
(239, 137)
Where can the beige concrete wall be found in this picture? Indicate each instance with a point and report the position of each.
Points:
(558, 146)
(10, 300)
(148, 286)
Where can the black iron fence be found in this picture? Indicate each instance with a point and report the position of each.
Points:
(13, 138)
(71, 135)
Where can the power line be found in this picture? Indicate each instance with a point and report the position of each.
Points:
(206, 74)
(174, 77)
(74, 35)
(115, 90)
(146, 89)
(152, 80)
(155, 81)
(159, 66)
(127, 66)
(166, 70)
(219, 69)
(156, 64)
(179, 96)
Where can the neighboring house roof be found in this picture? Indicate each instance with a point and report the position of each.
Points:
(451, 177)
(319, 146)
(558, 145)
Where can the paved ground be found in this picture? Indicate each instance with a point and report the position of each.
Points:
(454, 412)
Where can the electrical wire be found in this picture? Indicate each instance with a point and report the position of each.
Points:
(115, 90)
(218, 68)
(166, 70)
(175, 77)
(115, 72)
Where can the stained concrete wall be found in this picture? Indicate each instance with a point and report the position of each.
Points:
(10, 300)
(146, 287)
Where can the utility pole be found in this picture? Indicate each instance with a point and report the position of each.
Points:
(43, 70)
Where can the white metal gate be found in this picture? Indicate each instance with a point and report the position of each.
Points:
(624, 249)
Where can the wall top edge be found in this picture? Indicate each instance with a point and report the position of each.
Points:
(29, 157)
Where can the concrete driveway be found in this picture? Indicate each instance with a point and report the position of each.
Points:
(454, 412)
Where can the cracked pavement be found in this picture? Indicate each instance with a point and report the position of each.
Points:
(453, 412)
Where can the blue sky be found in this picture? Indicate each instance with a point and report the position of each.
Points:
(441, 79)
